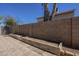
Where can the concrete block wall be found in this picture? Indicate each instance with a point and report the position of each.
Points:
(56, 31)
(63, 30)
(75, 32)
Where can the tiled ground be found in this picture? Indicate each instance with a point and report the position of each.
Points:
(12, 47)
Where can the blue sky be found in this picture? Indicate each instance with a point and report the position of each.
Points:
(28, 12)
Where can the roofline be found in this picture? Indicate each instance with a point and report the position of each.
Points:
(68, 11)
(65, 12)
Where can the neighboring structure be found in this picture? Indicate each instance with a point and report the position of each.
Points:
(66, 14)
(62, 15)
(40, 19)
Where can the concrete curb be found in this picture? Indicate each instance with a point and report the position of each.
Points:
(44, 45)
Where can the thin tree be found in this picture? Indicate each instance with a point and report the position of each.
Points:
(46, 12)
(54, 11)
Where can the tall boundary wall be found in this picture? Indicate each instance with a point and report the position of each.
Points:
(64, 30)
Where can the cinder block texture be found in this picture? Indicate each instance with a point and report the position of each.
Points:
(54, 31)
(75, 32)
(64, 30)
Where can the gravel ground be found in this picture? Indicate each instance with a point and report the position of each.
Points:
(12, 47)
